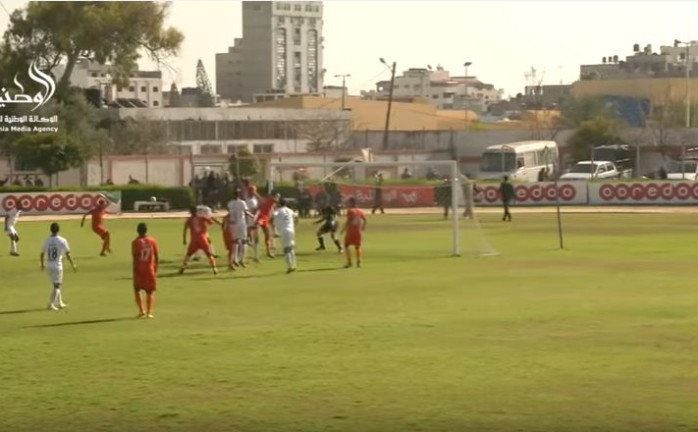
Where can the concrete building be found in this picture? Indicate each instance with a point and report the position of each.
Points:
(145, 86)
(437, 87)
(547, 96)
(670, 62)
(259, 130)
(280, 52)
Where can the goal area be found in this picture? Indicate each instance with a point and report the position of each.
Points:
(434, 190)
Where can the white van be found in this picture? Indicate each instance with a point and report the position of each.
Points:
(521, 160)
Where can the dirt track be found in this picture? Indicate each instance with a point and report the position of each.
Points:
(419, 210)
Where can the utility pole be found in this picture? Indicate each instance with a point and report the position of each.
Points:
(465, 95)
(688, 95)
(344, 86)
(390, 102)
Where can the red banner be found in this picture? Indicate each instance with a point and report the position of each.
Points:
(393, 196)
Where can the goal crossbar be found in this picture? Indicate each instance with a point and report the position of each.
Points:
(454, 177)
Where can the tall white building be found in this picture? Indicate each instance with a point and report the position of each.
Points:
(145, 86)
(280, 52)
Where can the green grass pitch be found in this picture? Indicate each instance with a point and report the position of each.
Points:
(601, 336)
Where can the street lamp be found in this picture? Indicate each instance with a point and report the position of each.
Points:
(344, 87)
(390, 101)
(465, 94)
(688, 75)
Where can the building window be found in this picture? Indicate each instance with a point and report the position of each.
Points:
(131, 88)
(297, 77)
(155, 89)
(308, 8)
(156, 103)
(312, 61)
(263, 148)
(143, 89)
(281, 58)
(297, 7)
(313, 21)
(281, 20)
(296, 36)
(210, 149)
(95, 74)
(236, 149)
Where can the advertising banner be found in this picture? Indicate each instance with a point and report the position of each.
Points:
(393, 196)
(537, 194)
(647, 193)
(37, 203)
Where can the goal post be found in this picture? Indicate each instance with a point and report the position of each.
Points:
(279, 171)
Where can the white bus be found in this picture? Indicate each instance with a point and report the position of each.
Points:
(521, 160)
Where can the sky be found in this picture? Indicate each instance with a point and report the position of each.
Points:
(502, 39)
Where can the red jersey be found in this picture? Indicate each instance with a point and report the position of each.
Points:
(266, 207)
(355, 217)
(144, 250)
(97, 216)
(198, 226)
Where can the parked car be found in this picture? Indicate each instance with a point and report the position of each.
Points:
(686, 169)
(587, 170)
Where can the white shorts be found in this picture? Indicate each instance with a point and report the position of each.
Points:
(240, 231)
(55, 274)
(11, 231)
(288, 239)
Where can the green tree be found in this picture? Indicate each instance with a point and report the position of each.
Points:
(49, 152)
(114, 33)
(244, 164)
(592, 133)
(584, 109)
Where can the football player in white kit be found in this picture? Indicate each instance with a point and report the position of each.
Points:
(249, 194)
(284, 222)
(10, 221)
(237, 208)
(54, 248)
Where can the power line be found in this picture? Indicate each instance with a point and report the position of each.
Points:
(5, 9)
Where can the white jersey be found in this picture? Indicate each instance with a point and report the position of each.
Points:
(11, 219)
(237, 209)
(54, 248)
(284, 220)
(252, 204)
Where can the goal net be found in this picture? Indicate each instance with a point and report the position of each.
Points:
(420, 199)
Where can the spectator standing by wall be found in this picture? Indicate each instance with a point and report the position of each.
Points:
(506, 190)
(378, 195)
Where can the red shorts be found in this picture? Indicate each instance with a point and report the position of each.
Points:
(263, 222)
(199, 244)
(100, 230)
(144, 281)
(352, 238)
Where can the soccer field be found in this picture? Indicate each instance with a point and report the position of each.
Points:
(601, 336)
